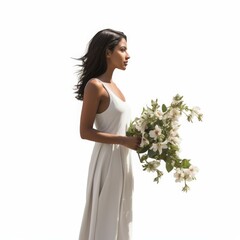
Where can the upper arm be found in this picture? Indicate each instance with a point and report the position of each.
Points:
(91, 100)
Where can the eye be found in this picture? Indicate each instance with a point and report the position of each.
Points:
(123, 49)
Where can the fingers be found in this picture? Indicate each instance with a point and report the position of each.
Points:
(138, 142)
(133, 142)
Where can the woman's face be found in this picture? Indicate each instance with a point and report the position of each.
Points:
(118, 58)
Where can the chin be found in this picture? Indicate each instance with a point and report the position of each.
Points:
(122, 68)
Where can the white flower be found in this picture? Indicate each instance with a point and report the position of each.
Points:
(193, 170)
(155, 133)
(179, 175)
(187, 174)
(166, 116)
(144, 142)
(141, 125)
(195, 111)
(173, 133)
(175, 125)
(173, 137)
(174, 140)
(173, 114)
(152, 166)
(158, 114)
(176, 99)
(148, 113)
(159, 146)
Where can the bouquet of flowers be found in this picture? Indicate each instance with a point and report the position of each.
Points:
(158, 128)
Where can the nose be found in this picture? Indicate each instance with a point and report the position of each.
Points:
(128, 56)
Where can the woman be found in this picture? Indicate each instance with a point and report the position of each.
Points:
(104, 119)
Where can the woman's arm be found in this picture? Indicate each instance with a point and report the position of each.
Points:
(93, 93)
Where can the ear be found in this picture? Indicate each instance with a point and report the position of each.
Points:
(108, 53)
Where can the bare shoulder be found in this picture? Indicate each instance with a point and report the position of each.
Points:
(93, 86)
(93, 83)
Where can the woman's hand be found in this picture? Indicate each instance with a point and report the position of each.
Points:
(132, 142)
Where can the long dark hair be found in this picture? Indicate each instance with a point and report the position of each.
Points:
(94, 63)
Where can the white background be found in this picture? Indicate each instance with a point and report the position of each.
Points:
(186, 47)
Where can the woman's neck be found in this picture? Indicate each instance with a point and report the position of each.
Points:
(106, 77)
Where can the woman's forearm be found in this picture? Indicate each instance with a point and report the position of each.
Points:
(102, 137)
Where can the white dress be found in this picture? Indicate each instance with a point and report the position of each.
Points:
(108, 210)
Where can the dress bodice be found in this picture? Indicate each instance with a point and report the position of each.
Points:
(116, 117)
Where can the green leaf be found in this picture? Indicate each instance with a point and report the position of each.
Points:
(159, 175)
(185, 163)
(164, 108)
(151, 153)
(169, 166)
(174, 147)
(143, 158)
(159, 122)
(156, 179)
